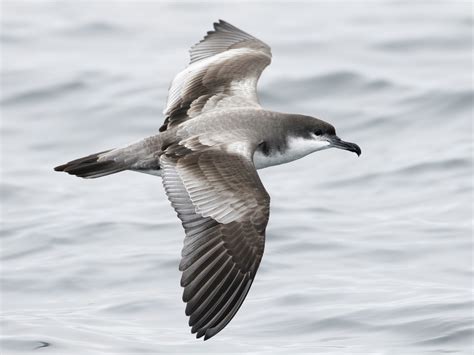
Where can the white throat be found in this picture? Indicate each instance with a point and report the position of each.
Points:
(297, 148)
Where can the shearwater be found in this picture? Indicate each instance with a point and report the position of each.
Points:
(214, 137)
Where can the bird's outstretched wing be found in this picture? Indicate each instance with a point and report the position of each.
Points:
(224, 210)
(223, 72)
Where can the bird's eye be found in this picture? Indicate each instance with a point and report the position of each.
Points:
(318, 132)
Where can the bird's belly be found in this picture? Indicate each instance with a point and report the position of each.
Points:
(296, 148)
(262, 160)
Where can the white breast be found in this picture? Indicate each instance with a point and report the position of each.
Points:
(296, 149)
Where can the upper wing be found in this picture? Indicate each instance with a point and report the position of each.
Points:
(224, 210)
(223, 72)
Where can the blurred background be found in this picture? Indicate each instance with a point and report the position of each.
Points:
(365, 255)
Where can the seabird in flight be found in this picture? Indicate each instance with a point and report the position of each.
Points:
(214, 138)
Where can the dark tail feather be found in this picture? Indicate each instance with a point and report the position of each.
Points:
(89, 167)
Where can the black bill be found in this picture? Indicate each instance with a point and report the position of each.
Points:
(337, 142)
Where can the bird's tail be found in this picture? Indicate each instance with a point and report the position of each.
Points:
(93, 166)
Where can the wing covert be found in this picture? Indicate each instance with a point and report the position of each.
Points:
(224, 210)
(223, 72)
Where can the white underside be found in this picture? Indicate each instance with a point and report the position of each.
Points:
(297, 148)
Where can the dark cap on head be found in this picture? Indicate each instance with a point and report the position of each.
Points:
(313, 128)
(305, 126)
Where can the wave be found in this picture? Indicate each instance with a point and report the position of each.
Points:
(425, 167)
(337, 82)
(93, 28)
(438, 101)
(424, 43)
(44, 93)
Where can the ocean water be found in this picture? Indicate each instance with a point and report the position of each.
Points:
(369, 255)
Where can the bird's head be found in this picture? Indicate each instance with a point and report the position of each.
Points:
(320, 135)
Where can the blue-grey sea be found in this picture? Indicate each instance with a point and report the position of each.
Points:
(369, 255)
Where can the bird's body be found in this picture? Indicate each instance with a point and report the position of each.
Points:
(214, 138)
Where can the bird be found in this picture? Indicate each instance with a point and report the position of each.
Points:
(214, 138)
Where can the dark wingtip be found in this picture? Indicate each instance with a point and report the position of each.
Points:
(199, 334)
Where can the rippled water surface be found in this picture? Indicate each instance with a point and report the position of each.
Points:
(365, 255)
